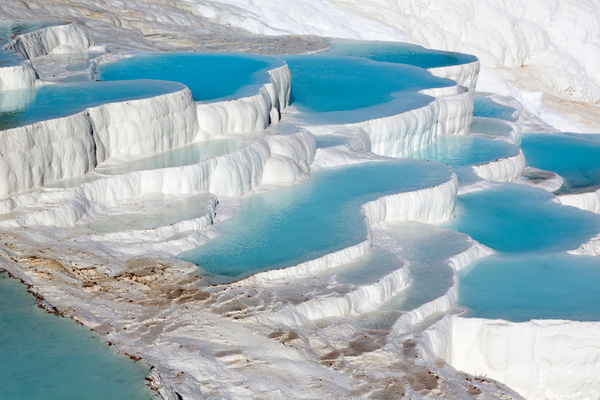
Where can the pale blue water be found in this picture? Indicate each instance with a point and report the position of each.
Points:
(210, 76)
(461, 151)
(368, 269)
(26, 106)
(396, 52)
(518, 288)
(486, 107)
(520, 219)
(493, 127)
(47, 357)
(576, 159)
(181, 156)
(306, 221)
(351, 89)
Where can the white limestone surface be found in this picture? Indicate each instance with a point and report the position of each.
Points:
(588, 201)
(464, 74)
(56, 39)
(48, 151)
(509, 169)
(17, 76)
(404, 133)
(230, 175)
(247, 114)
(540, 359)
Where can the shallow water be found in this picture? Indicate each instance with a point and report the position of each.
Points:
(299, 223)
(26, 106)
(48, 357)
(488, 108)
(427, 250)
(351, 89)
(576, 159)
(494, 127)
(518, 219)
(461, 151)
(210, 76)
(152, 214)
(396, 52)
(520, 288)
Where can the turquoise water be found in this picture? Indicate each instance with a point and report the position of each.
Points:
(486, 107)
(396, 52)
(48, 357)
(351, 89)
(306, 221)
(210, 76)
(517, 288)
(493, 127)
(26, 106)
(519, 219)
(576, 159)
(461, 151)
(431, 276)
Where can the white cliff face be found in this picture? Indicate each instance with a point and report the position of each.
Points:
(464, 74)
(402, 134)
(564, 354)
(508, 169)
(248, 114)
(231, 175)
(589, 201)
(17, 76)
(54, 39)
(48, 151)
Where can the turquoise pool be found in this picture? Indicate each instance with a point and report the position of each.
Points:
(520, 219)
(338, 89)
(461, 151)
(574, 158)
(299, 223)
(210, 76)
(488, 108)
(26, 106)
(48, 357)
(396, 52)
(520, 288)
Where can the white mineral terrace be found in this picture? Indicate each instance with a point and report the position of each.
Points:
(104, 252)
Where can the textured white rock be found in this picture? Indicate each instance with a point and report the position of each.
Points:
(363, 299)
(589, 201)
(464, 74)
(508, 169)
(54, 39)
(232, 174)
(17, 76)
(540, 359)
(48, 151)
(247, 114)
(401, 134)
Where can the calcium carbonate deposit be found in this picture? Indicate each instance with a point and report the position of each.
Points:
(318, 199)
